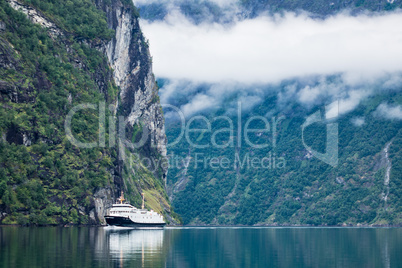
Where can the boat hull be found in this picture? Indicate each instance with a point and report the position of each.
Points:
(126, 222)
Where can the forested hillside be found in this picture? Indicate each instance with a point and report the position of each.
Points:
(53, 58)
(284, 183)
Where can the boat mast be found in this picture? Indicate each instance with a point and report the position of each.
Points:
(143, 200)
(121, 198)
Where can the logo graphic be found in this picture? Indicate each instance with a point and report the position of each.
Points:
(331, 152)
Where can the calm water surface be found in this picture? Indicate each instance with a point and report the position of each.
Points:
(200, 247)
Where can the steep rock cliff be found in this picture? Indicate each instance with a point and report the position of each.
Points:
(131, 61)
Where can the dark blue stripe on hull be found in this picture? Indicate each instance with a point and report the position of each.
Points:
(126, 222)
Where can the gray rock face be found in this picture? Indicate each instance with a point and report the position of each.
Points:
(131, 61)
(102, 201)
(7, 60)
(2, 26)
(36, 17)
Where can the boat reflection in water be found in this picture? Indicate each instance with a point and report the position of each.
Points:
(132, 247)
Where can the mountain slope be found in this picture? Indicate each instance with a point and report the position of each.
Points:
(65, 55)
(217, 178)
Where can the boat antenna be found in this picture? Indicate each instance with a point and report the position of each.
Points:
(143, 200)
(121, 198)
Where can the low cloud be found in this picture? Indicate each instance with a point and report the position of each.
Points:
(193, 97)
(271, 49)
(347, 103)
(358, 121)
(199, 102)
(389, 111)
(343, 59)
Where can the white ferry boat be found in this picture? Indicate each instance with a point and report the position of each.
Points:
(126, 215)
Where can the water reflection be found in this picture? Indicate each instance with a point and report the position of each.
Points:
(127, 247)
(200, 247)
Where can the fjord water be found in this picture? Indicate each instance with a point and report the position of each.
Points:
(200, 247)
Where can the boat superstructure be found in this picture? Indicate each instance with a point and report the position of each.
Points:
(123, 214)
